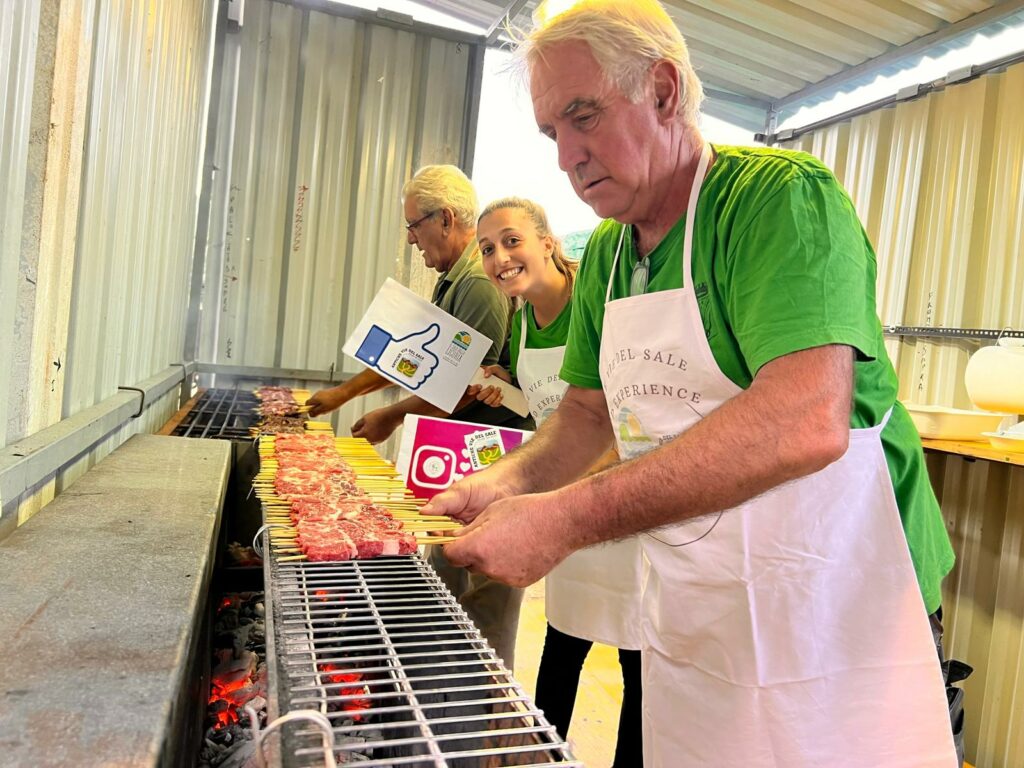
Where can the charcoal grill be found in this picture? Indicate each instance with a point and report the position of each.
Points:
(221, 414)
(383, 650)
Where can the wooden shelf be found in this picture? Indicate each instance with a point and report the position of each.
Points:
(974, 450)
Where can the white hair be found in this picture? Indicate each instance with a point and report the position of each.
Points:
(444, 186)
(626, 38)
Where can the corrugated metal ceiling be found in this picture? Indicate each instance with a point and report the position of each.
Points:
(751, 53)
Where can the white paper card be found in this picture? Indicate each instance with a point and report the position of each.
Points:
(513, 397)
(419, 347)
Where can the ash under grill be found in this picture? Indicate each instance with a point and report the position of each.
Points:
(386, 653)
(221, 414)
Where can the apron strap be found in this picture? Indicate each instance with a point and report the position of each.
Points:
(615, 264)
(691, 212)
(885, 419)
(691, 217)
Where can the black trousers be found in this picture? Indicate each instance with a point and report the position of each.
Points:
(954, 696)
(559, 677)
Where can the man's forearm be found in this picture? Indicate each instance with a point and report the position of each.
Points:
(417, 406)
(362, 383)
(562, 450)
(766, 436)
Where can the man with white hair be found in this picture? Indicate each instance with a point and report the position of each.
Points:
(724, 335)
(440, 208)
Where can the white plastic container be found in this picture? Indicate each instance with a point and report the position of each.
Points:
(995, 376)
(1006, 441)
(939, 423)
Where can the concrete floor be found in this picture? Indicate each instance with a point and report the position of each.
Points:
(599, 698)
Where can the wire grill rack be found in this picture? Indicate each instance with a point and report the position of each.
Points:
(383, 650)
(222, 414)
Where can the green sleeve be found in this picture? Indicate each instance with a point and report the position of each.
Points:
(581, 365)
(801, 273)
(479, 305)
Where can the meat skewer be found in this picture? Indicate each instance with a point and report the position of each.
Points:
(340, 499)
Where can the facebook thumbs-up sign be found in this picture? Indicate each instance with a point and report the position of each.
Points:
(407, 360)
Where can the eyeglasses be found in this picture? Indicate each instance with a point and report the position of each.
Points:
(420, 220)
(638, 280)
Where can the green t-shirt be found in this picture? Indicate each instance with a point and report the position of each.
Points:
(551, 335)
(780, 264)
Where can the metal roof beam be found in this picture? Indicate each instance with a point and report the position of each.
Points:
(904, 94)
(962, 27)
(736, 98)
(698, 23)
(753, 73)
(725, 83)
(385, 19)
(511, 11)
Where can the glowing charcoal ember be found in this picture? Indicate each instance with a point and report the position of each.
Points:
(351, 684)
(238, 676)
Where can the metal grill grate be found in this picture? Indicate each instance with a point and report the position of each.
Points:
(387, 654)
(224, 414)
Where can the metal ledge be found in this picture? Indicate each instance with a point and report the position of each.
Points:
(27, 463)
(928, 332)
(262, 372)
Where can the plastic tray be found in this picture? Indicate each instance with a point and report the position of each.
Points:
(939, 423)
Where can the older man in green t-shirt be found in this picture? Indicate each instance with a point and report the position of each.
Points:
(724, 336)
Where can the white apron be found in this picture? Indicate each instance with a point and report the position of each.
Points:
(788, 632)
(593, 594)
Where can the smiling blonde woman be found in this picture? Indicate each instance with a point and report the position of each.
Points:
(594, 595)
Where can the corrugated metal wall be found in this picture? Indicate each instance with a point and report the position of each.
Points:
(939, 183)
(140, 195)
(324, 118)
(98, 232)
(19, 31)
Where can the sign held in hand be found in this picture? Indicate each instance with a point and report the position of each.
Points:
(417, 346)
(438, 452)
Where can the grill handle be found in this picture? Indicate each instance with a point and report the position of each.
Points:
(317, 718)
(257, 542)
